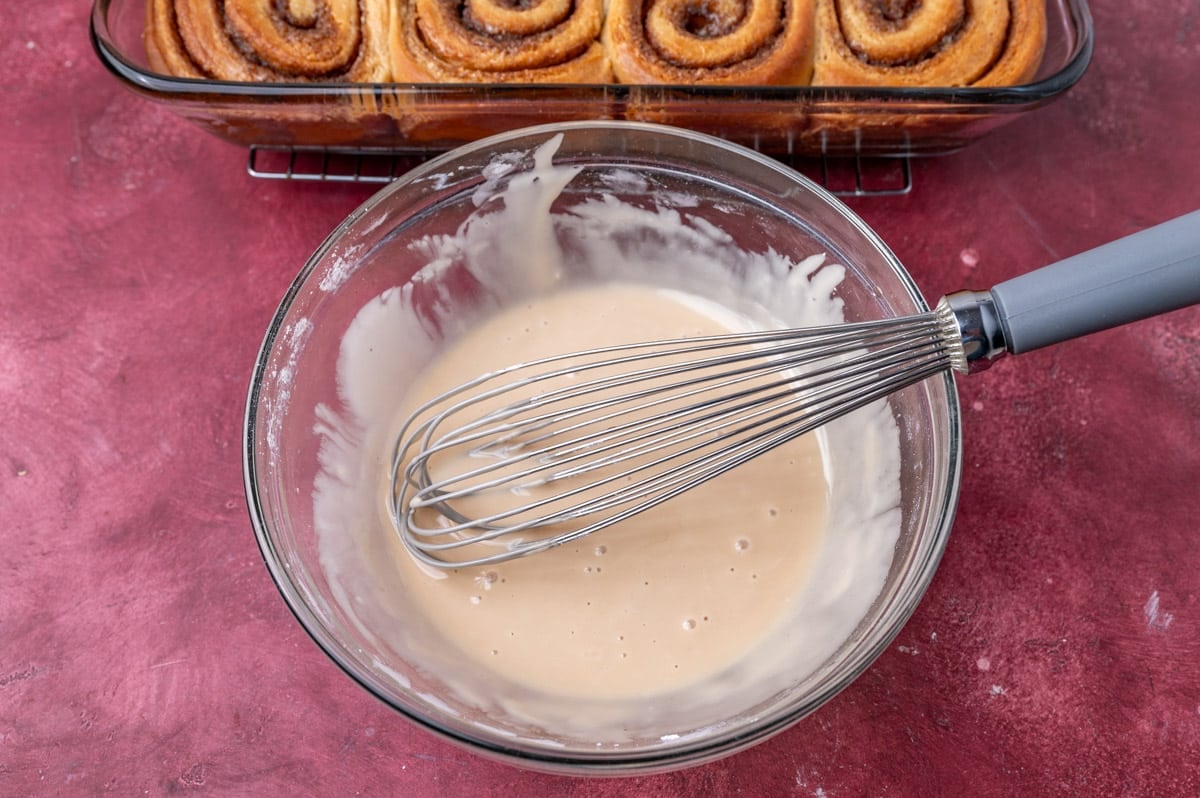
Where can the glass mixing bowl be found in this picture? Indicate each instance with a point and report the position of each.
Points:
(332, 580)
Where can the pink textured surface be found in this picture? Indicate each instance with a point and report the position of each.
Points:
(144, 649)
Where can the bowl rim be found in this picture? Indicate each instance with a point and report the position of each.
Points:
(607, 761)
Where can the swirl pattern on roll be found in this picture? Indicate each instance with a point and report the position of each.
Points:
(460, 41)
(726, 42)
(269, 40)
(928, 42)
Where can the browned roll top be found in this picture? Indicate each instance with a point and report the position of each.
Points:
(540, 41)
(682, 42)
(928, 42)
(269, 40)
(739, 42)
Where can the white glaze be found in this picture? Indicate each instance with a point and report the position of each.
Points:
(516, 249)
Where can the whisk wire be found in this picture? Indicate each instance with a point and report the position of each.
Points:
(491, 426)
(785, 428)
(724, 421)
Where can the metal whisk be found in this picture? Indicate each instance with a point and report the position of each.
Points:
(542, 453)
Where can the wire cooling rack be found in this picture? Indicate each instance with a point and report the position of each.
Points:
(855, 176)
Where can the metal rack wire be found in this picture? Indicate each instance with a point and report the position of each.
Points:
(855, 176)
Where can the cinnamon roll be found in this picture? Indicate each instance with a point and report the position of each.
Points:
(269, 40)
(486, 41)
(730, 42)
(928, 42)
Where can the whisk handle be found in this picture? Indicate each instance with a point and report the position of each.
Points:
(1150, 272)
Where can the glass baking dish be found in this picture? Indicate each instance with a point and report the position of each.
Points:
(428, 118)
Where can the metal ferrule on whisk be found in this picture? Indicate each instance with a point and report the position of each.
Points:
(971, 317)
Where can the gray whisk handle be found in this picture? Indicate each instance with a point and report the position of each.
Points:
(1154, 271)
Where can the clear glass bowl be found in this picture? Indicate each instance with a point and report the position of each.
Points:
(428, 118)
(761, 204)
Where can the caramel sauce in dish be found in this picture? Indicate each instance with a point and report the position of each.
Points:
(698, 609)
